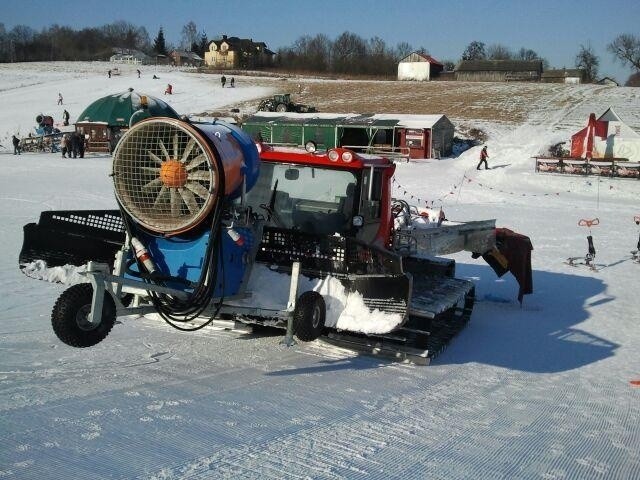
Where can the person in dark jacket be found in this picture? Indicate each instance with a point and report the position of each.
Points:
(16, 145)
(65, 118)
(483, 158)
(81, 145)
(223, 80)
(75, 144)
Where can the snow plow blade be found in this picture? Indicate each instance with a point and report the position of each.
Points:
(439, 309)
(387, 293)
(73, 237)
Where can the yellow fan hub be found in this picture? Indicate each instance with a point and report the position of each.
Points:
(173, 174)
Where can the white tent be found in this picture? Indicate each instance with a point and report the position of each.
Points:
(621, 142)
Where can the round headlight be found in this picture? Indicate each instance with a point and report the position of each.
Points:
(347, 157)
(333, 155)
(310, 146)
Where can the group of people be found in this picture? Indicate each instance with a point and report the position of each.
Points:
(72, 144)
(137, 71)
(223, 81)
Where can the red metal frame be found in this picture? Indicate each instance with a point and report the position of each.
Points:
(358, 163)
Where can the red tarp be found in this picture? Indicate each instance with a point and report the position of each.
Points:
(582, 142)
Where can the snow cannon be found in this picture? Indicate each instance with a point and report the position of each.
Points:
(45, 124)
(174, 182)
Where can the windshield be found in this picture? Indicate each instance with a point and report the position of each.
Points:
(314, 200)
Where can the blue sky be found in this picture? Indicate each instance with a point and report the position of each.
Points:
(554, 29)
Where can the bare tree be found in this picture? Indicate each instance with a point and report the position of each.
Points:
(499, 52)
(527, 54)
(587, 59)
(189, 35)
(402, 50)
(626, 48)
(474, 51)
(348, 52)
(633, 80)
(449, 65)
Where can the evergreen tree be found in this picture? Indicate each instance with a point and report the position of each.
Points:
(159, 45)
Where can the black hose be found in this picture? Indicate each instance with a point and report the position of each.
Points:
(174, 310)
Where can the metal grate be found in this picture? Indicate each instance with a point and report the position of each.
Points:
(102, 222)
(315, 252)
(164, 177)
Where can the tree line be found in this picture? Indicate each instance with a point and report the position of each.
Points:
(24, 44)
(348, 53)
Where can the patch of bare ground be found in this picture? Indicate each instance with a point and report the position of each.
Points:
(464, 102)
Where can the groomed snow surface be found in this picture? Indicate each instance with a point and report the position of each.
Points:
(541, 391)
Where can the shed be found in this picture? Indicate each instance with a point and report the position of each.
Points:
(184, 58)
(606, 137)
(409, 136)
(608, 81)
(499, 70)
(573, 76)
(103, 121)
(418, 66)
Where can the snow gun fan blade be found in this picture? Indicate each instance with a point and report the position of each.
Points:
(165, 175)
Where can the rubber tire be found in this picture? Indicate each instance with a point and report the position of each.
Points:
(281, 107)
(309, 316)
(69, 309)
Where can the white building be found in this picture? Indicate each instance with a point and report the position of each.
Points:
(418, 66)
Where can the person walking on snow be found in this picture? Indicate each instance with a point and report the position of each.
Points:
(59, 99)
(223, 80)
(169, 89)
(16, 145)
(64, 141)
(138, 73)
(483, 158)
(65, 118)
(109, 73)
(233, 82)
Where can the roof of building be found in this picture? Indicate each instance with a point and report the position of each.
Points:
(241, 44)
(499, 66)
(564, 72)
(185, 54)
(129, 51)
(116, 110)
(423, 56)
(381, 120)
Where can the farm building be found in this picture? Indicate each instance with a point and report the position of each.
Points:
(129, 56)
(606, 137)
(418, 66)
(234, 52)
(608, 81)
(499, 71)
(573, 76)
(188, 59)
(103, 122)
(408, 136)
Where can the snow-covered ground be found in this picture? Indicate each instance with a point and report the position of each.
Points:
(541, 391)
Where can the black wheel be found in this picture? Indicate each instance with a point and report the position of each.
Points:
(309, 316)
(69, 317)
(281, 107)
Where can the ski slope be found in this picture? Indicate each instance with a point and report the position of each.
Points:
(541, 391)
